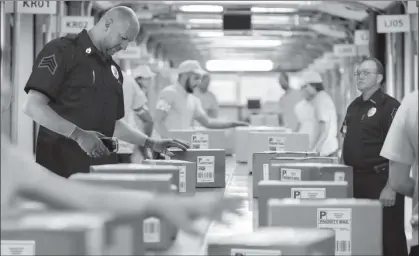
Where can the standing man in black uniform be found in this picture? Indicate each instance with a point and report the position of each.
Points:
(75, 95)
(365, 128)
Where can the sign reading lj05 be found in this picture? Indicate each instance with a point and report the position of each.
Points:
(393, 23)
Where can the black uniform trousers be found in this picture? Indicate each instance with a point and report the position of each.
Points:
(369, 184)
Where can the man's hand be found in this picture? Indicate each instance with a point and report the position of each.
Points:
(388, 196)
(237, 124)
(90, 142)
(161, 146)
(185, 210)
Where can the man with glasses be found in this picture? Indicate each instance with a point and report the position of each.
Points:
(365, 127)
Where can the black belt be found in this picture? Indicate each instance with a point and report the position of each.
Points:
(378, 169)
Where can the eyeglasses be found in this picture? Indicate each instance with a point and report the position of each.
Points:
(364, 73)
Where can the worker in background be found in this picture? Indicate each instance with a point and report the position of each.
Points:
(401, 148)
(21, 177)
(208, 99)
(325, 139)
(307, 122)
(367, 121)
(135, 105)
(75, 95)
(287, 103)
(177, 107)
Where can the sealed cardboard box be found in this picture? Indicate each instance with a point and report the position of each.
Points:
(66, 233)
(210, 165)
(158, 234)
(276, 141)
(202, 138)
(187, 173)
(357, 222)
(261, 161)
(275, 241)
(313, 171)
(310, 190)
(241, 140)
(138, 169)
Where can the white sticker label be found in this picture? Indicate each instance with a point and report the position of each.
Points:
(338, 220)
(15, 247)
(205, 169)
(151, 230)
(290, 174)
(276, 144)
(200, 141)
(308, 193)
(254, 252)
(182, 179)
(339, 176)
(265, 171)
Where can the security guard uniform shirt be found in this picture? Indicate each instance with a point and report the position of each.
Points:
(84, 87)
(365, 128)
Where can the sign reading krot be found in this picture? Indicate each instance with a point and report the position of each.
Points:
(35, 7)
(75, 24)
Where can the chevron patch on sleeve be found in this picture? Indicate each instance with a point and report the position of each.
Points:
(49, 63)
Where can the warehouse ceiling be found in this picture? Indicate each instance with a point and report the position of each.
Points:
(292, 34)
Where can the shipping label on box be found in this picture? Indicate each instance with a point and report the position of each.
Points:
(276, 143)
(254, 252)
(200, 141)
(182, 179)
(14, 247)
(151, 230)
(205, 169)
(290, 174)
(308, 193)
(339, 220)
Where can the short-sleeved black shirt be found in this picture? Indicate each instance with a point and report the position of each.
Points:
(85, 88)
(365, 128)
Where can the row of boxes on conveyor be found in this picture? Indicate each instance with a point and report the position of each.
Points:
(75, 233)
(303, 203)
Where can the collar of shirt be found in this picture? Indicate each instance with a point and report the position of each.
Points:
(181, 89)
(376, 99)
(86, 43)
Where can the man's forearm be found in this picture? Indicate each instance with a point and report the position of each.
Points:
(321, 137)
(399, 179)
(129, 134)
(48, 118)
(217, 124)
(148, 128)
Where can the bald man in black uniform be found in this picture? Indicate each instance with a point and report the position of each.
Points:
(75, 95)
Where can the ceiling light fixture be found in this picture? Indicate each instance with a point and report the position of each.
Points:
(201, 8)
(248, 43)
(239, 65)
(210, 34)
(205, 21)
(272, 10)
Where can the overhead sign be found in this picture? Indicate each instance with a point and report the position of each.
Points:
(344, 50)
(393, 23)
(32, 7)
(75, 24)
(362, 37)
(412, 6)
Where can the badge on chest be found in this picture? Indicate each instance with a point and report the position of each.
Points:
(371, 112)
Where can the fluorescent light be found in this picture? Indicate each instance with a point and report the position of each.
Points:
(272, 10)
(201, 8)
(248, 43)
(210, 34)
(239, 65)
(205, 21)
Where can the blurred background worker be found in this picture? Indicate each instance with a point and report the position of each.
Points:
(401, 148)
(287, 103)
(177, 107)
(307, 122)
(75, 95)
(325, 139)
(365, 128)
(208, 99)
(135, 105)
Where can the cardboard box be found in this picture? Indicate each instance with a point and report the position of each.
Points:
(357, 222)
(210, 165)
(306, 190)
(275, 241)
(241, 140)
(158, 234)
(276, 141)
(187, 173)
(138, 169)
(261, 161)
(67, 233)
(313, 171)
(201, 138)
